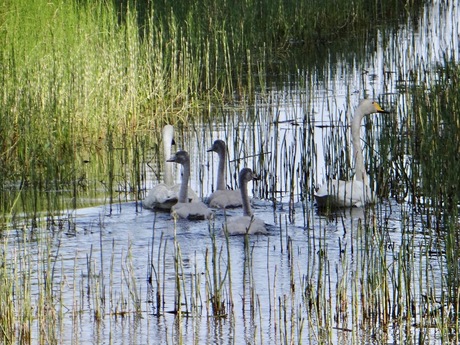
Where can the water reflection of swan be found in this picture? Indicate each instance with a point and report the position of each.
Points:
(339, 193)
(164, 195)
(223, 197)
(184, 208)
(246, 224)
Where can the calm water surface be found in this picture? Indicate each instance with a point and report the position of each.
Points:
(284, 136)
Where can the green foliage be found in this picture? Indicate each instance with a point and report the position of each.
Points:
(436, 144)
(437, 125)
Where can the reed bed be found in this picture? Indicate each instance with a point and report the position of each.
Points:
(80, 79)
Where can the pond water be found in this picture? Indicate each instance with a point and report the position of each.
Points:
(316, 277)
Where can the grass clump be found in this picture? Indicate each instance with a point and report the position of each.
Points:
(437, 109)
(437, 120)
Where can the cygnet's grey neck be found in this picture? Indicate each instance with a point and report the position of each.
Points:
(183, 192)
(221, 171)
(247, 211)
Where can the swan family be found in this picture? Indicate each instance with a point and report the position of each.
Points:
(183, 202)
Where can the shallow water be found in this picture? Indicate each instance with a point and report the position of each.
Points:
(305, 281)
(270, 275)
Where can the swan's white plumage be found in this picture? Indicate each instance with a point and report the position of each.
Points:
(246, 224)
(164, 195)
(223, 197)
(194, 210)
(339, 193)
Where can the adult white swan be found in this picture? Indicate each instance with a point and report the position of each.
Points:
(247, 223)
(339, 193)
(193, 210)
(223, 197)
(164, 195)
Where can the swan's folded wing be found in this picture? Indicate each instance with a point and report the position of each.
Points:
(243, 225)
(225, 199)
(339, 193)
(160, 197)
(191, 211)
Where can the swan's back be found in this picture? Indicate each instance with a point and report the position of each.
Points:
(242, 225)
(191, 210)
(161, 197)
(225, 199)
(339, 193)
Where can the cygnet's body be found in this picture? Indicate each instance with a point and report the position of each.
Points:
(164, 195)
(340, 193)
(246, 224)
(223, 197)
(195, 210)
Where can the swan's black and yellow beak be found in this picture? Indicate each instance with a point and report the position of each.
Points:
(379, 109)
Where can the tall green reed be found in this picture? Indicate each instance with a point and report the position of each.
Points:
(436, 128)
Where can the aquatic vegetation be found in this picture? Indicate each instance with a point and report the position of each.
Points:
(81, 80)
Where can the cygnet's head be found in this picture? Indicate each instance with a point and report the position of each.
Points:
(246, 175)
(218, 146)
(181, 157)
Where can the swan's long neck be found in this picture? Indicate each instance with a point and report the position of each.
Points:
(183, 192)
(167, 142)
(244, 195)
(221, 171)
(360, 171)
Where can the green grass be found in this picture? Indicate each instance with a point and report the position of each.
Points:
(436, 145)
